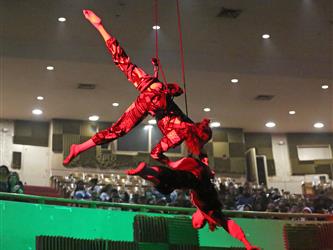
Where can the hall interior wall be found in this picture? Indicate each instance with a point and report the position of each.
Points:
(226, 152)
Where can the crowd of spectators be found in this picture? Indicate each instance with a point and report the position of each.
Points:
(10, 181)
(109, 193)
(249, 197)
(246, 197)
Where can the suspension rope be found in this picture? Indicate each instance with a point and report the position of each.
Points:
(156, 40)
(182, 54)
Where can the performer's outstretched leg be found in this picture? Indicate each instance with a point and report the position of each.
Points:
(229, 225)
(165, 179)
(236, 231)
(132, 116)
(134, 74)
(77, 149)
(148, 173)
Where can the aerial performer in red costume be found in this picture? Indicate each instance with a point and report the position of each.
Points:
(190, 173)
(155, 99)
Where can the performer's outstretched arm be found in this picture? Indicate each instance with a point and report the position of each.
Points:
(97, 23)
(134, 74)
(236, 231)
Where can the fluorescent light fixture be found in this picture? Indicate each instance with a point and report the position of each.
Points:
(270, 124)
(319, 125)
(156, 27)
(324, 86)
(292, 112)
(115, 104)
(37, 111)
(147, 127)
(206, 109)
(50, 67)
(62, 19)
(152, 122)
(40, 98)
(235, 80)
(215, 124)
(94, 118)
(266, 36)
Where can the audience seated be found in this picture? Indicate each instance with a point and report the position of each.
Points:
(10, 181)
(4, 173)
(246, 197)
(80, 192)
(14, 183)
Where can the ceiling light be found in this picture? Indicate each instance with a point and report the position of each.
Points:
(156, 27)
(62, 19)
(292, 112)
(115, 104)
(324, 86)
(234, 80)
(215, 124)
(94, 118)
(266, 36)
(152, 121)
(4, 130)
(37, 112)
(318, 125)
(270, 124)
(146, 127)
(50, 68)
(281, 143)
(40, 98)
(206, 109)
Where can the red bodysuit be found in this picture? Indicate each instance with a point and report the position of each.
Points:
(189, 173)
(156, 99)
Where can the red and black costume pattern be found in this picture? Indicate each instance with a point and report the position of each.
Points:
(192, 174)
(156, 99)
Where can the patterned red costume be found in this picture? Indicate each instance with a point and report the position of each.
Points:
(156, 99)
(192, 174)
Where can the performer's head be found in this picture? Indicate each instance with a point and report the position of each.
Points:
(204, 131)
(174, 89)
(200, 135)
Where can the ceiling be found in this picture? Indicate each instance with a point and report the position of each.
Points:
(291, 65)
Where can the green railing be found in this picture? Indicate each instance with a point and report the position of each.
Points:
(148, 208)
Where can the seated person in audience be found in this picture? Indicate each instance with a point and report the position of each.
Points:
(93, 189)
(4, 173)
(14, 184)
(245, 198)
(125, 197)
(189, 173)
(115, 197)
(105, 194)
(80, 192)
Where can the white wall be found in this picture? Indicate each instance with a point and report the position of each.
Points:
(6, 142)
(39, 163)
(283, 179)
(35, 160)
(56, 167)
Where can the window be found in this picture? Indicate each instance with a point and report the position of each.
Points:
(314, 152)
(136, 140)
(143, 139)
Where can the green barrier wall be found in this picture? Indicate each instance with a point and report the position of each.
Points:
(21, 222)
